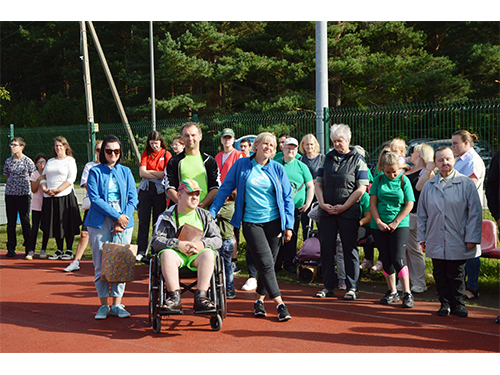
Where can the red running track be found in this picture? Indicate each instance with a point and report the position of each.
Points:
(49, 311)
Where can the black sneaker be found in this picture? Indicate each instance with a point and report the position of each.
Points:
(283, 313)
(231, 295)
(461, 311)
(444, 310)
(408, 300)
(390, 297)
(258, 308)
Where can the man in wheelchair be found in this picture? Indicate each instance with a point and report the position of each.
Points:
(179, 247)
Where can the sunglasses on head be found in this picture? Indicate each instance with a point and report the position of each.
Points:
(109, 151)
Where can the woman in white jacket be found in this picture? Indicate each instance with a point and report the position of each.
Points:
(449, 229)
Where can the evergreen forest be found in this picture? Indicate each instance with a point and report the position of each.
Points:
(219, 68)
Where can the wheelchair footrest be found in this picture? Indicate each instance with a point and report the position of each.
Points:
(163, 311)
(211, 311)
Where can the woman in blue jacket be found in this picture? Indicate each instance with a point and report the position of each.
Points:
(264, 205)
(113, 196)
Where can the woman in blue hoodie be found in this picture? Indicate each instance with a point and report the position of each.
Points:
(113, 196)
(264, 205)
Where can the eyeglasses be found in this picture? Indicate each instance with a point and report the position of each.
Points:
(14, 145)
(109, 151)
(97, 149)
(41, 162)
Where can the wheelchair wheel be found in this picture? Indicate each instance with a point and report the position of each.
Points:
(216, 322)
(157, 324)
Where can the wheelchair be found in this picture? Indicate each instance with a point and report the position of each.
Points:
(158, 292)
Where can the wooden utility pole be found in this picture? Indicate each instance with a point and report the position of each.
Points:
(88, 88)
(118, 101)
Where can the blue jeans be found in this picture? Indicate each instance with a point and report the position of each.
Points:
(225, 252)
(97, 238)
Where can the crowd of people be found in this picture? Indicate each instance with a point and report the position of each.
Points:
(426, 205)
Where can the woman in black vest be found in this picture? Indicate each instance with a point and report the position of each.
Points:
(340, 183)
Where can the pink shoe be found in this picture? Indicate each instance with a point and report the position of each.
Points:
(365, 264)
(378, 266)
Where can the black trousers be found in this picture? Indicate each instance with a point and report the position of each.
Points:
(265, 240)
(18, 204)
(450, 281)
(149, 200)
(329, 226)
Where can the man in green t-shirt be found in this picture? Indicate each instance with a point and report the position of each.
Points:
(192, 164)
(197, 254)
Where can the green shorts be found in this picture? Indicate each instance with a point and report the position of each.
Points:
(186, 261)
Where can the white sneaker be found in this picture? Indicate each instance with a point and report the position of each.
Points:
(378, 266)
(365, 264)
(138, 257)
(342, 285)
(73, 266)
(43, 254)
(30, 255)
(418, 289)
(250, 284)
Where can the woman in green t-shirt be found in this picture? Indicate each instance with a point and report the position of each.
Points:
(391, 200)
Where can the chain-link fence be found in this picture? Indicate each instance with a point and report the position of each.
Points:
(370, 128)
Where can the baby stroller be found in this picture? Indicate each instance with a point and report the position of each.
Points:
(309, 257)
(158, 292)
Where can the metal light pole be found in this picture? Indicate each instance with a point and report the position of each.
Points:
(321, 82)
(152, 62)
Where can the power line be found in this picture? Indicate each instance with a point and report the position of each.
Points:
(15, 32)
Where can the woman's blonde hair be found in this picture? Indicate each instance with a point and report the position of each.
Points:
(385, 150)
(398, 144)
(390, 158)
(309, 137)
(262, 137)
(426, 152)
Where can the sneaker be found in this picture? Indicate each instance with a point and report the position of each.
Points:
(342, 285)
(418, 289)
(250, 284)
(57, 255)
(119, 311)
(235, 268)
(408, 300)
(30, 255)
(43, 254)
(399, 287)
(283, 313)
(461, 311)
(365, 264)
(68, 255)
(10, 254)
(444, 310)
(378, 266)
(258, 308)
(231, 295)
(138, 257)
(103, 312)
(73, 266)
(390, 297)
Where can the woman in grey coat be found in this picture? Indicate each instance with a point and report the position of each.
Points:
(449, 229)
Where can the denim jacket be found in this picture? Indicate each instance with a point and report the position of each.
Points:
(237, 177)
(97, 189)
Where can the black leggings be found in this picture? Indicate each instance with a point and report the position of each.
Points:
(265, 240)
(36, 219)
(392, 248)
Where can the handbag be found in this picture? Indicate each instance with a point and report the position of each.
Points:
(86, 203)
(187, 232)
(118, 261)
